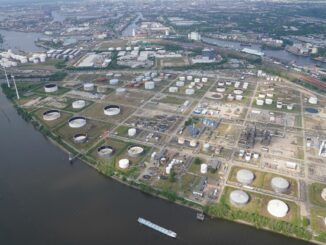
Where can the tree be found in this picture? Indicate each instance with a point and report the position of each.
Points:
(197, 161)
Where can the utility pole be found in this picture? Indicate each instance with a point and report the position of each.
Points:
(13, 78)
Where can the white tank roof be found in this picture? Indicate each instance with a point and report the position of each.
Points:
(78, 104)
(280, 184)
(277, 208)
(123, 163)
(323, 194)
(239, 197)
(245, 176)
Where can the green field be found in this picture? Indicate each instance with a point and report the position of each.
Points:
(315, 190)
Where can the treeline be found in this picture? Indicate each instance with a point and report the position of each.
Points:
(222, 210)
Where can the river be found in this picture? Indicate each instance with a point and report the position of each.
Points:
(127, 32)
(46, 200)
(24, 41)
(280, 55)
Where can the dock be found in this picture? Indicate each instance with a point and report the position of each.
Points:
(157, 227)
(200, 216)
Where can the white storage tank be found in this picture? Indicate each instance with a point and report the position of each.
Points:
(135, 151)
(203, 168)
(190, 91)
(290, 107)
(112, 110)
(132, 132)
(238, 91)
(149, 85)
(245, 176)
(89, 86)
(78, 104)
(277, 208)
(280, 184)
(120, 91)
(173, 89)
(259, 102)
(51, 115)
(105, 151)
(313, 100)
(239, 198)
(77, 122)
(123, 163)
(42, 57)
(323, 194)
(204, 79)
(238, 97)
(181, 140)
(114, 81)
(220, 89)
(230, 97)
(50, 88)
(279, 105)
(80, 138)
(180, 83)
(268, 101)
(193, 143)
(206, 147)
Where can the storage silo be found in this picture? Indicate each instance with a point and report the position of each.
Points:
(277, 208)
(245, 176)
(239, 198)
(203, 168)
(123, 163)
(280, 184)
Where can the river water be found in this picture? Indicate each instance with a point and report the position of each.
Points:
(24, 41)
(127, 32)
(46, 200)
(280, 55)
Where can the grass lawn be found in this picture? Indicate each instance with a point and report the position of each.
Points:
(315, 190)
(171, 100)
(317, 219)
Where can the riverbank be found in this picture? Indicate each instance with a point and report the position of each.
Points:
(167, 195)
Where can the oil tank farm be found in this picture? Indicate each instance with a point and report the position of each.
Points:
(77, 122)
(245, 176)
(50, 88)
(105, 151)
(280, 184)
(239, 198)
(112, 110)
(51, 115)
(277, 208)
